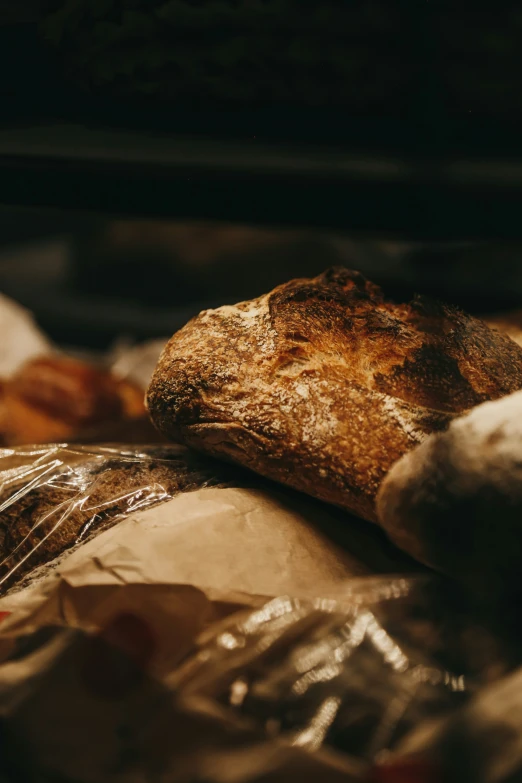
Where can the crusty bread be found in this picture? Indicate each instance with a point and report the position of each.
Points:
(324, 383)
(443, 501)
(56, 398)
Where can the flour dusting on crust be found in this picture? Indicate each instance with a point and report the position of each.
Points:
(323, 384)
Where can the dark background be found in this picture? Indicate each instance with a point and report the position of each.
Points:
(446, 221)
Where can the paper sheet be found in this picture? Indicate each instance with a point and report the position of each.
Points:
(232, 540)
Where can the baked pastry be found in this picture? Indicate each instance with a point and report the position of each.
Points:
(324, 383)
(53, 398)
(444, 502)
(52, 500)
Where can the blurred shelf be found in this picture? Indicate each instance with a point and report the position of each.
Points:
(422, 173)
(143, 174)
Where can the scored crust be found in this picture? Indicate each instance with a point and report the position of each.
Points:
(324, 383)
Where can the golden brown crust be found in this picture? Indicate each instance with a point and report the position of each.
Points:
(324, 383)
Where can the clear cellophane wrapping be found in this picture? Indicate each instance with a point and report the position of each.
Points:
(55, 497)
(355, 676)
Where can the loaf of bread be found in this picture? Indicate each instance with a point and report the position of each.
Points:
(445, 501)
(324, 383)
(54, 398)
(54, 498)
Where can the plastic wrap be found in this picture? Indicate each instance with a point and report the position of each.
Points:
(84, 710)
(105, 681)
(54, 498)
(356, 677)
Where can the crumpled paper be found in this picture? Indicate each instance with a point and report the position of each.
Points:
(89, 653)
(82, 707)
(84, 654)
(230, 540)
(89, 689)
(133, 600)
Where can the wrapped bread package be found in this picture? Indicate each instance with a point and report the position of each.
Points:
(187, 517)
(54, 498)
